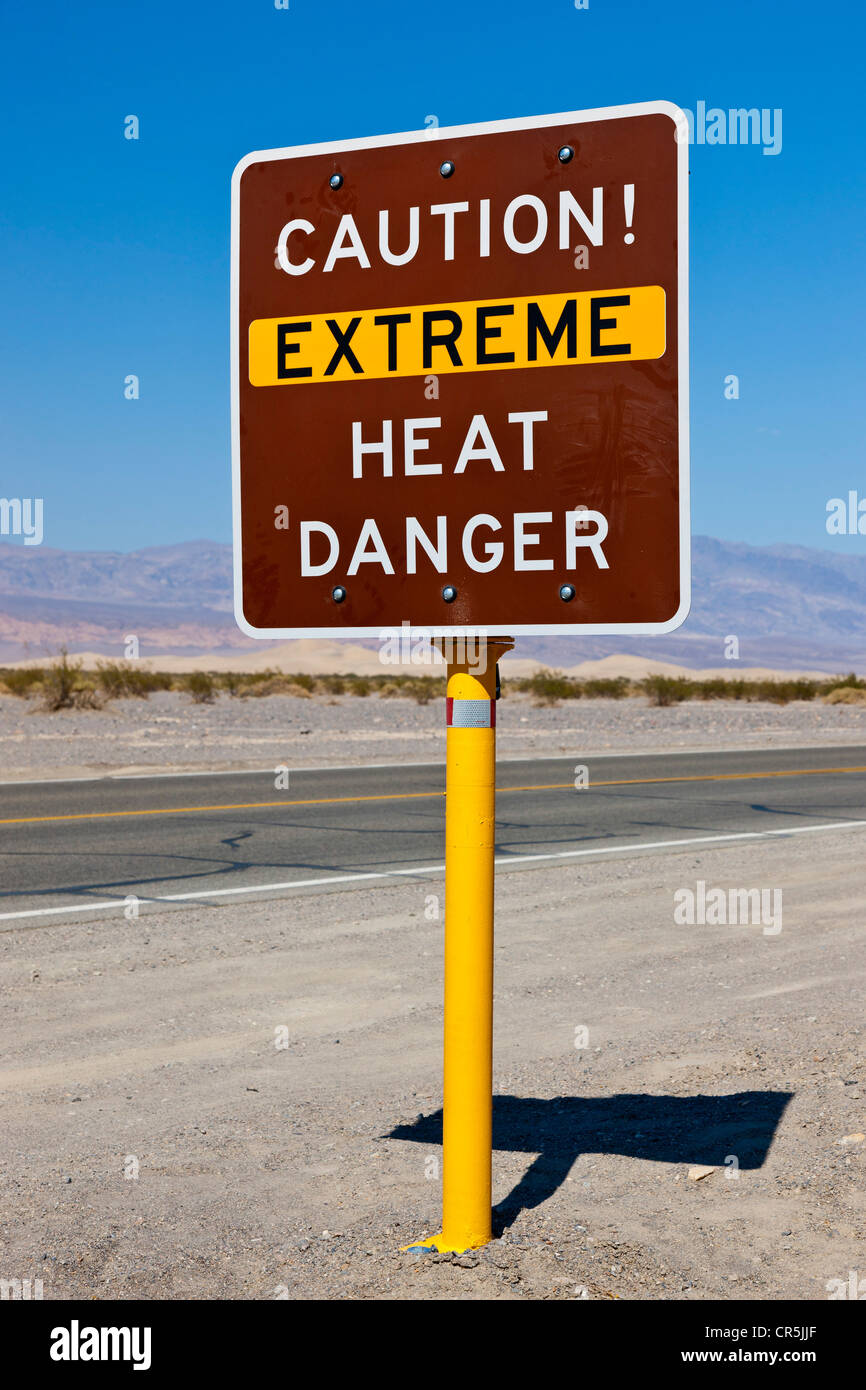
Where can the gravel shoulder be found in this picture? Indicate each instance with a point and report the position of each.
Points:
(205, 1104)
(168, 732)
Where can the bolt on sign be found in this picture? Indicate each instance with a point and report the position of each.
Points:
(460, 379)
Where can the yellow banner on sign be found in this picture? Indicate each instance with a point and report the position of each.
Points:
(550, 330)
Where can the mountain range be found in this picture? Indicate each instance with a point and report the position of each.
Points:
(790, 607)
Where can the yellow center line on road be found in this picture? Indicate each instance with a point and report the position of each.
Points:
(413, 796)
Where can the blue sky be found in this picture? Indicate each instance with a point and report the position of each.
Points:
(114, 253)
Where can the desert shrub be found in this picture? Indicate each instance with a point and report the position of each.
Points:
(333, 685)
(846, 695)
(246, 683)
(278, 685)
(549, 687)
(120, 680)
(849, 682)
(783, 692)
(715, 689)
(60, 681)
(422, 689)
(201, 686)
(87, 696)
(720, 688)
(65, 685)
(667, 690)
(22, 681)
(307, 683)
(606, 687)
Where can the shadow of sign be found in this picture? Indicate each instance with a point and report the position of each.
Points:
(666, 1129)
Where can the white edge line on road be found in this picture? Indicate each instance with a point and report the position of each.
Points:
(501, 862)
(436, 762)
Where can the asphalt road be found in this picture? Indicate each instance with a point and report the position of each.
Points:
(71, 847)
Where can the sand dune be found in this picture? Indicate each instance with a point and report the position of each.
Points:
(319, 657)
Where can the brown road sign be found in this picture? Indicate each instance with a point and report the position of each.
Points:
(460, 379)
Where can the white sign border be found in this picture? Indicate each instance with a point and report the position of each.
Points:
(426, 135)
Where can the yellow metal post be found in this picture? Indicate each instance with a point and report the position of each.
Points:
(469, 845)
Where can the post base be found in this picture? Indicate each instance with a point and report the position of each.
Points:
(443, 1245)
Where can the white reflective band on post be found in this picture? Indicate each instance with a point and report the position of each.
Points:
(470, 714)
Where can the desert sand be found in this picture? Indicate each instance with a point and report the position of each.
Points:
(320, 657)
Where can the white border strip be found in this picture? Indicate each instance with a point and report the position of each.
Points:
(501, 862)
(426, 135)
